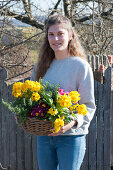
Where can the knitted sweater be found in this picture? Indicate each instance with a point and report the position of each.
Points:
(74, 74)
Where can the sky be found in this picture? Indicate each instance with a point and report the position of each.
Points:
(42, 7)
(45, 4)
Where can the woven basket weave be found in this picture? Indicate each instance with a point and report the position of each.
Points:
(37, 127)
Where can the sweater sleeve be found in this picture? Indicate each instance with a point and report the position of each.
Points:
(85, 87)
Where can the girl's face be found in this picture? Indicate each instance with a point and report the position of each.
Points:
(58, 38)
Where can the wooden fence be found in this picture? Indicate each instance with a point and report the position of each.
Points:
(18, 150)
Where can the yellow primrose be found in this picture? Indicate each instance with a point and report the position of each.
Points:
(44, 105)
(27, 85)
(36, 114)
(82, 109)
(58, 124)
(31, 85)
(52, 112)
(75, 106)
(65, 101)
(17, 94)
(37, 86)
(17, 87)
(74, 96)
(71, 108)
(35, 96)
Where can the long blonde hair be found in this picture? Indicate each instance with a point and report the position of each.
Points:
(47, 55)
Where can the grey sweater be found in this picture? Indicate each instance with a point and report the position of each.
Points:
(74, 74)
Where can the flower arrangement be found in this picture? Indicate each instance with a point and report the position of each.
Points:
(44, 102)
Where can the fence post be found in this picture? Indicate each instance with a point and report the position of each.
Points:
(107, 118)
(97, 62)
(112, 119)
(100, 124)
(0, 117)
(4, 121)
(111, 130)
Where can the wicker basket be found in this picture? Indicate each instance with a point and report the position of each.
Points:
(37, 127)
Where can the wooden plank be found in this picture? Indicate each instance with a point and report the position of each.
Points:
(87, 160)
(34, 149)
(0, 117)
(5, 122)
(101, 59)
(107, 101)
(97, 62)
(92, 139)
(20, 149)
(28, 152)
(105, 61)
(92, 144)
(85, 163)
(100, 125)
(12, 132)
(111, 132)
(93, 63)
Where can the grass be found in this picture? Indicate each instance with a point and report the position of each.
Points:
(34, 55)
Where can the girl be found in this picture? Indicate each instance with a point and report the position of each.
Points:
(62, 61)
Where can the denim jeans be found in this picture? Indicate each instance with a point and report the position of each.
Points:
(60, 152)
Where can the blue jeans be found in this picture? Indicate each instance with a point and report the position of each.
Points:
(60, 152)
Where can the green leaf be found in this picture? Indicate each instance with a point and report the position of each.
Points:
(30, 103)
(73, 114)
(8, 105)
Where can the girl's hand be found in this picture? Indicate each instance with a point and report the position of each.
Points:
(64, 128)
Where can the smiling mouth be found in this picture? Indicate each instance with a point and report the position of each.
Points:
(57, 44)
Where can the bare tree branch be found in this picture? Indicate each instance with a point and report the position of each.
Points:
(27, 9)
(55, 7)
(21, 42)
(29, 4)
(20, 63)
(26, 20)
(5, 4)
(82, 1)
(66, 10)
(110, 41)
(93, 27)
(20, 74)
(103, 14)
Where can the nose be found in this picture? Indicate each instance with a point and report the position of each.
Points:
(56, 37)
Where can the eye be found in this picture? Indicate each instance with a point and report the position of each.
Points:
(50, 34)
(60, 33)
